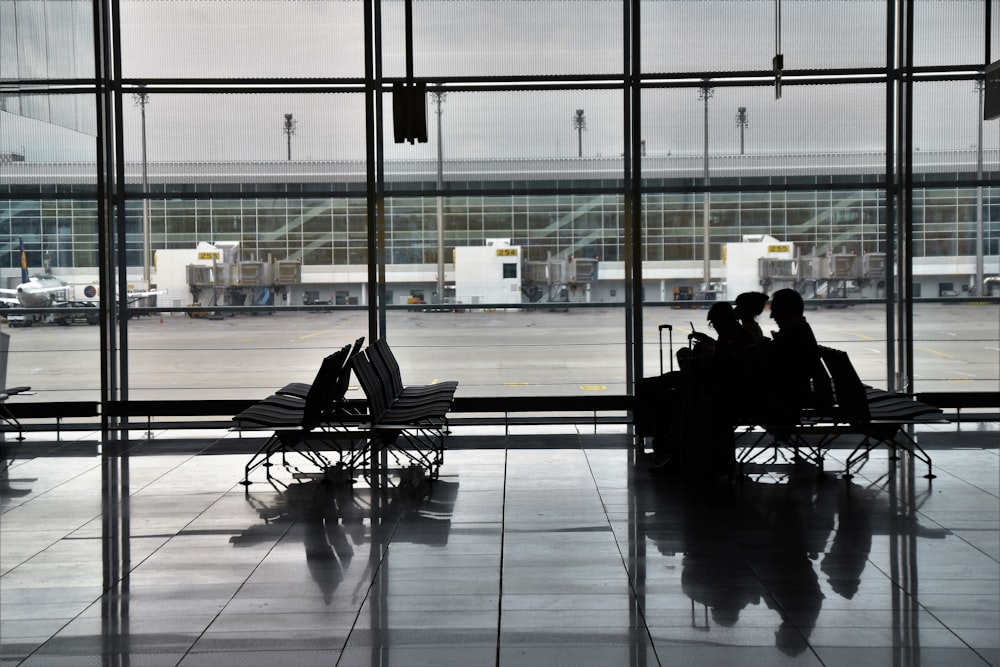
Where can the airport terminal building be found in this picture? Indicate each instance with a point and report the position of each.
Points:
(824, 206)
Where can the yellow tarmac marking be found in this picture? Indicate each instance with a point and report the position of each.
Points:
(515, 384)
(593, 387)
(314, 334)
(862, 336)
(940, 354)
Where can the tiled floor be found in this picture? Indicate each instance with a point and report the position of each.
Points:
(566, 553)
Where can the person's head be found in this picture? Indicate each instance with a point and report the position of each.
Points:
(786, 306)
(725, 616)
(722, 316)
(750, 304)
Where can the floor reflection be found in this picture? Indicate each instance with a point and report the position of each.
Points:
(335, 518)
(571, 556)
(768, 541)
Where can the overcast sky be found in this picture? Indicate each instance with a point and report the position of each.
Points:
(491, 37)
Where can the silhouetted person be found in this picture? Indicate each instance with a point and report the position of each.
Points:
(715, 374)
(791, 358)
(732, 345)
(748, 306)
(847, 556)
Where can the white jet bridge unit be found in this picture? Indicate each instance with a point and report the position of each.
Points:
(489, 274)
(215, 275)
(761, 263)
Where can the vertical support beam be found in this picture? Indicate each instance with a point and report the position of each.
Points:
(904, 231)
(118, 237)
(891, 195)
(632, 114)
(706, 95)
(374, 203)
(105, 160)
(116, 540)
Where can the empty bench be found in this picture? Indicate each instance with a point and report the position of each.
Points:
(409, 423)
(313, 421)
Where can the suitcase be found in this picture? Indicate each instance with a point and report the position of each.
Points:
(650, 419)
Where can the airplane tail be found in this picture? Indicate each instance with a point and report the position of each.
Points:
(24, 263)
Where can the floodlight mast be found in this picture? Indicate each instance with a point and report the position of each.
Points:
(579, 124)
(705, 93)
(439, 97)
(741, 122)
(141, 99)
(289, 130)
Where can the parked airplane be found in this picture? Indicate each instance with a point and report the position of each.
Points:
(44, 290)
(39, 291)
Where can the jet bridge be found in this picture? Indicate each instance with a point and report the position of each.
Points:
(216, 275)
(557, 280)
(497, 273)
(229, 281)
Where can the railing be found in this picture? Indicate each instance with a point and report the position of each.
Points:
(591, 411)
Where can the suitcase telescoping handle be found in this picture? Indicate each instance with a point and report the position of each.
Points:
(670, 335)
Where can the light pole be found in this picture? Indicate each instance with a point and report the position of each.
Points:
(741, 122)
(289, 130)
(141, 99)
(439, 96)
(980, 91)
(579, 124)
(705, 93)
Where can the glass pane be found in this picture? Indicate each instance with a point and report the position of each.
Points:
(510, 262)
(949, 221)
(58, 362)
(256, 252)
(824, 244)
(514, 352)
(485, 134)
(174, 356)
(242, 38)
(994, 36)
(48, 128)
(223, 141)
(946, 123)
(477, 38)
(46, 39)
(949, 33)
(955, 344)
(57, 352)
(685, 36)
(812, 134)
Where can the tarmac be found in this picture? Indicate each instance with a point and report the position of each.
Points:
(490, 353)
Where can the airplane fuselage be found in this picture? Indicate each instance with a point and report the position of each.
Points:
(41, 291)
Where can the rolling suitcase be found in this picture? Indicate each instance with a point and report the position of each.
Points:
(650, 418)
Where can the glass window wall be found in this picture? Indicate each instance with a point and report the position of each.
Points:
(253, 163)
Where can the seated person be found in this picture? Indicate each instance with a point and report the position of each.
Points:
(792, 359)
(704, 397)
(734, 348)
(748, 306)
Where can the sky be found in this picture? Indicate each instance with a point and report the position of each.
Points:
(215, 38)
